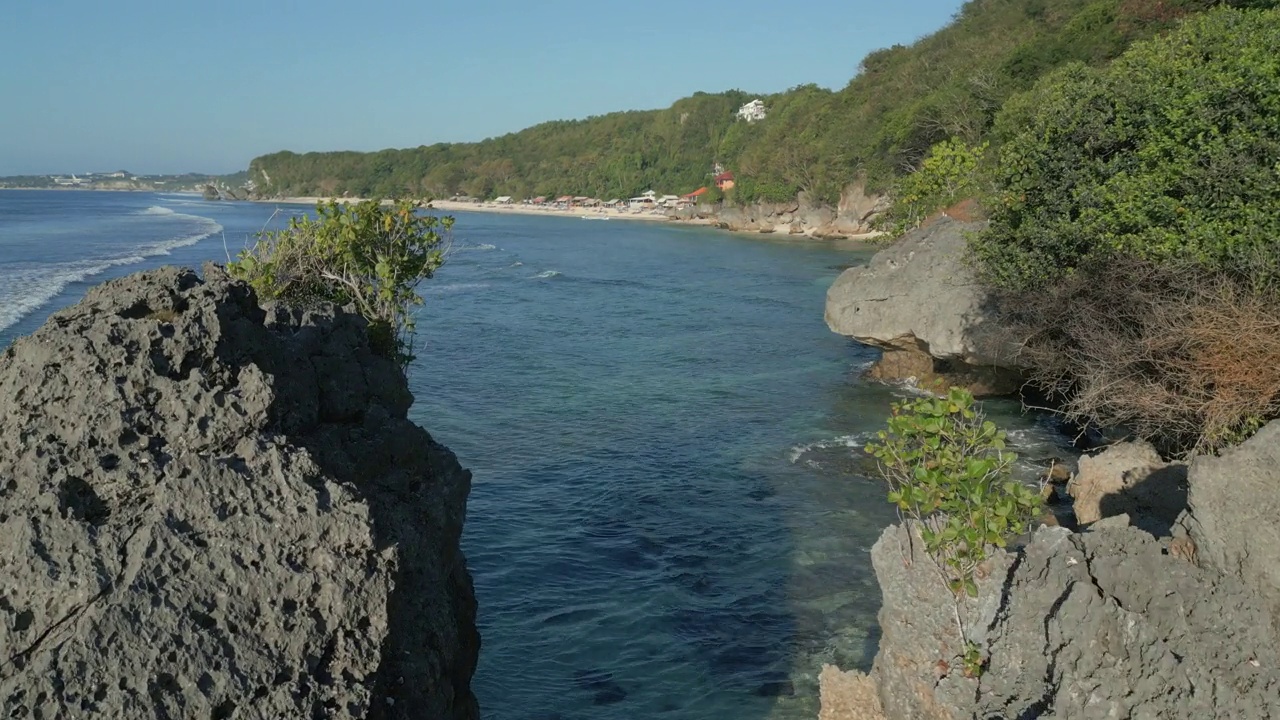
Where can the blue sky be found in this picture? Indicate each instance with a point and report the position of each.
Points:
(206, 85)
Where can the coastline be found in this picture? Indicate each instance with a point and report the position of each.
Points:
(781, 232)
(488, 207)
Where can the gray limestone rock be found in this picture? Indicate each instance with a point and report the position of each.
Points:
(1104, 624)
(209, 509)
(1234, 517)
(917, 297)
(1130, 478)
(917, 292)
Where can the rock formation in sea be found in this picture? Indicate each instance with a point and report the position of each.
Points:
(214, 509)
(918, 301)
(1133, 617)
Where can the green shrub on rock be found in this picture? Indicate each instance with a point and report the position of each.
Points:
(947, 468)
(366, 254)
(1170, 153)
(948, 175)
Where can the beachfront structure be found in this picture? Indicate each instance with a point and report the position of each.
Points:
(644, 202)
(752, 111)
(503, 199)
(669, 200)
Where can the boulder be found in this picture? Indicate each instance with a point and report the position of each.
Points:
(1234, 512)
(1101, 624)
(917, 296)
(1130, 478)
(211, 193)
(212, 509)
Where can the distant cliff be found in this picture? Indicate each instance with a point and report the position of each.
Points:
(212, 509)
(851, 216)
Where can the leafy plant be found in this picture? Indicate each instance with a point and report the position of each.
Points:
(973, 661)
(1168, 154)
(948, 175)
(368, 254)
(947, 468)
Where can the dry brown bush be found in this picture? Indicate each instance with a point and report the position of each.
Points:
(1183, 357)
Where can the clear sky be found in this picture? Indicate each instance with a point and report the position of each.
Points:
(166, 86)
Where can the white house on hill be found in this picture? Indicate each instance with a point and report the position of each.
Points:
(752, 111)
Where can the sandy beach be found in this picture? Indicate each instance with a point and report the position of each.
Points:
(450, 206)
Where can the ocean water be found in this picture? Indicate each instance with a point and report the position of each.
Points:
(670, 517)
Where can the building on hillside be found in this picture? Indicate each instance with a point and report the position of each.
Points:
(752, 111)
(724, 181)
(693, 196)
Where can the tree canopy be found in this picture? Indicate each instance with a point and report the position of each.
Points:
(901, 102)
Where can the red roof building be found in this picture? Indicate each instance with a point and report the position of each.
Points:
(724, 180)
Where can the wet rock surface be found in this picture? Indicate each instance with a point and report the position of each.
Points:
(209, 509)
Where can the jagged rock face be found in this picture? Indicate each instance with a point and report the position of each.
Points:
(917, 300)
(1234, 504)
(1102, 624)
(212, 510)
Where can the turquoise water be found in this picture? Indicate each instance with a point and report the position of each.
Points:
(667, 519)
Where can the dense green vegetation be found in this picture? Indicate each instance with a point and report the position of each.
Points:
(1171, 152)
(1134, 227)
(903, 101)
(365, 254)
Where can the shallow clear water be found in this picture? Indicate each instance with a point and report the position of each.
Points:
(669, 518)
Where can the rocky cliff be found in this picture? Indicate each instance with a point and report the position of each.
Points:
(212, 509)
(851, 217)
(1138, 616)
(918, 301)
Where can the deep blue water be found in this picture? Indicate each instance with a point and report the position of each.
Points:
(667, 519)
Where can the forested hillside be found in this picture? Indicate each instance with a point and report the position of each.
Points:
(903, 100)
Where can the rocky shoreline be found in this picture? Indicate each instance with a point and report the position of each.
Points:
(1159, 600)
(850, 219)
(1154, 609)
(216, 509)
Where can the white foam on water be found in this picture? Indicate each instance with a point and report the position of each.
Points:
(27, 287)
(157, 210)
(908, 388)
(516, 264)
(856, 440)
(449, 288)
(546, 274)
(482, 247)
